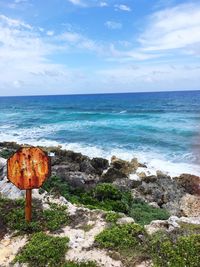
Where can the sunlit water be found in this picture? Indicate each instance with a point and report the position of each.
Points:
(161, 129)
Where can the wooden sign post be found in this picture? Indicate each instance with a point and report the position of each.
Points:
(27, 169)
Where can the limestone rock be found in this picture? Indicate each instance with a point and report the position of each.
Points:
(190, 205)
(156, 225)
(112, 174)
(124, 166)
(149, 179)
(190, 183)
(125, 220)
(78, 179)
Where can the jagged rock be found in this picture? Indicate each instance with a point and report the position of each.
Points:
(99, 165)
(125, 220)
(86, 166)
(162, 175)
(190, 205)
(171, 224)
(124, 166)
(9, 145)
(190, 183)
(77, 162)
(66, 167)
(142, 175)
(149, 179)
(126, 183)
(165, 192)
(112, 174)
(78, 179)
(156, 225)
(7, 189)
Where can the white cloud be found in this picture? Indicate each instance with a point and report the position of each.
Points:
(79, 41)
(50, 33)
(77, 2)
(173, 28)
(129, 55)
(13, 22)
(113, 25)
(122, 8)
(151, 77)
(103, 4)
(24, 64)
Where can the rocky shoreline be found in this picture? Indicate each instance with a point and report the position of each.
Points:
(179, 196)
(82, 172)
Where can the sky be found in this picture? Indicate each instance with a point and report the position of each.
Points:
(98, 46)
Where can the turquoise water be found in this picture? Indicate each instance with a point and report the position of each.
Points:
(159, 128)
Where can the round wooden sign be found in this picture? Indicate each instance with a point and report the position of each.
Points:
(28, 168)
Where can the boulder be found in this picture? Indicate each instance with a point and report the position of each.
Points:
(113, 174)
(86, 166)
(164, 191)
(149, 179)
(190, 183)
(7, 189)
(124, 166)
(156, 225)
(190, 205)
(125, 220)
(77, 179)
(126, 183)
(162, 175)
(99, 165)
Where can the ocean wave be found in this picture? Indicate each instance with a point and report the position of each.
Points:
(154, 160)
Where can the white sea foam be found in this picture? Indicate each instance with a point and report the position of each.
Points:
(154, 161)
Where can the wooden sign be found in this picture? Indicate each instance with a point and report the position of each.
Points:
(27, 169)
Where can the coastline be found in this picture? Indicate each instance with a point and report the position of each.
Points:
(154, 161)
(100, 196)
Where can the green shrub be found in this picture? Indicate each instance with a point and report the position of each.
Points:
(56, 186)
(80, 264)
(107, 197)
(144, 213)
(43, 250)
(12, 214)
(185, 251)
(104, 196)
(112, 217)
(55, 217)
(6, 153)
(107, 191)
(121, 236)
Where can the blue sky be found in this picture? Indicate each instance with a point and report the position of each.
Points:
(98, 46)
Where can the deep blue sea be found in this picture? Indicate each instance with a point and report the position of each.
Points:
(161, 129)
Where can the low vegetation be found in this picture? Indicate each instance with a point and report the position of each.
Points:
(127, 243)
(121, 236)
(144, 213)
(5, 153)
(107, 197)
(131, 244)
(43, 250)
(112, 217)
(12, 216)
(181, 252)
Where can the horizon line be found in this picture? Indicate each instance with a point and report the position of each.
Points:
(111, 93)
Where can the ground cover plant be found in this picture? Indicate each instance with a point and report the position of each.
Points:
(175, 251)
(144, 213)
(43, 250)
(109, 197)
(12, 216)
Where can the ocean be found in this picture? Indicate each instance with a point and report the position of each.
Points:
(160, 129)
